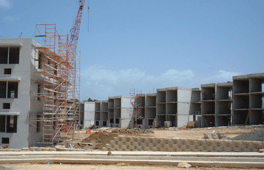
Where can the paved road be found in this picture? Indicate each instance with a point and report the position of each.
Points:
(152, 158)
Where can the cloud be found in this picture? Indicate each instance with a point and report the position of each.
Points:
(100, 83)
(4, 4)
(11, 18)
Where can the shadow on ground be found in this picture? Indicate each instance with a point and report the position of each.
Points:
(3, 168)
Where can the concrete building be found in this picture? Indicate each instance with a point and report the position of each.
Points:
(173, 106)
(195, 106)
(18, 84)
(115, 112)
(36, 93)
(216, 104)
(248, 99)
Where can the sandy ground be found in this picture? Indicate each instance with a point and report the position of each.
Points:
(158, 133)
(230, 132)
(199, 133)
(98, 167)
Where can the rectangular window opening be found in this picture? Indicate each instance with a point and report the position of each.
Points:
(5, 140)
(12, 90)
(38, 124)
(40, 58)
(3, 55)
(39, 91)
(7, 71)
(14, 55)
(6, 105)
(11, 124)
(2, 89)
(2, 123)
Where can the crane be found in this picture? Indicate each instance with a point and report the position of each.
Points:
(75, 31)
(74, 37)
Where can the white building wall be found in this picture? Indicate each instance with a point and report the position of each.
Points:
(89, 113)
(19, 106)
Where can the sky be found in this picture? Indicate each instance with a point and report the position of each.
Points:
(150, 44)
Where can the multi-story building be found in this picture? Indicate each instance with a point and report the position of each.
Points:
(18, 84)
(36, 93)
(216, 104)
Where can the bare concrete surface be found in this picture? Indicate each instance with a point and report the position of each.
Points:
(102, 167)
(249, 160)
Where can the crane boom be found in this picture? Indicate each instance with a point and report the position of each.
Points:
(75, 31)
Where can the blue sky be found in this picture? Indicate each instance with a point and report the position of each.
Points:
(150, 44)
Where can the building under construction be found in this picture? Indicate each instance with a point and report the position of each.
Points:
(39, 89)
(240, 102)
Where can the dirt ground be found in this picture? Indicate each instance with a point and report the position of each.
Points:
(98, 140)
(99, 167)
(230, 132)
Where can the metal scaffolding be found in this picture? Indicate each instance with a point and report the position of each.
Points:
(60, 92)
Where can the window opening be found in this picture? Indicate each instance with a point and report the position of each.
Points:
(2, 89)
(11, 124)
(2, 123)
(40, 60)
(39, 91)
(14, 55)
(6, 105)
(38, 124)
(3, 55)
(7, 71)
(12, 89)
(5, 140)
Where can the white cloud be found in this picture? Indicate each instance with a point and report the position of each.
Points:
(101, 83)
(11, 18)
(4, 4)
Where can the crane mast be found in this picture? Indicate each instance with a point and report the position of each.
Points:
(75, 31)
(74, 37)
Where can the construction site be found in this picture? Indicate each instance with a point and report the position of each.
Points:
(237, 102)
(43, 121)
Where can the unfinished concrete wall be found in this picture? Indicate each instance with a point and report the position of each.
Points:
(150, 114)
(104, 113)
(117, 112)
(97, 115)
(89, 114)
(195, 106)
(111, 116)
(126, 111)
(183, 106)
(248, 99)
(208, 105)
(223, 104)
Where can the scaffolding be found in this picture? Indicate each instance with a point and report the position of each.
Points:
(60, 92)
(137, 106)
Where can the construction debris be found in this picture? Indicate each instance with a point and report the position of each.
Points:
(214, 135)
(184, 165)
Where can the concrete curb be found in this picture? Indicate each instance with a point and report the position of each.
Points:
(139, 153)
